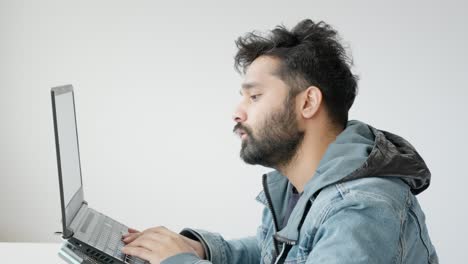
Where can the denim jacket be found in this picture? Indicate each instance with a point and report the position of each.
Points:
(359, 207)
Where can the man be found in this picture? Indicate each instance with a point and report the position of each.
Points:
(341, 191)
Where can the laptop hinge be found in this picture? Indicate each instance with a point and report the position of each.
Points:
(68, 234)
(76, 219)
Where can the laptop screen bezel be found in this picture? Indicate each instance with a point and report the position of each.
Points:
(69, 210)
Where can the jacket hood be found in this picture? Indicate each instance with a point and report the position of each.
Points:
(359, 151)
(363, 151)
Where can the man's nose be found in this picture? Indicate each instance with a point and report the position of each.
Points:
(239, 115)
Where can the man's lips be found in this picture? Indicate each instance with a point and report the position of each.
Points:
(241, 133)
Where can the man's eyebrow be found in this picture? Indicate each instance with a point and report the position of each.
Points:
(248, 85)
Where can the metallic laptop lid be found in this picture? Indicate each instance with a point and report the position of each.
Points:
(68, 155)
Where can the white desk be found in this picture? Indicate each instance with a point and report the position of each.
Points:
(30, 253)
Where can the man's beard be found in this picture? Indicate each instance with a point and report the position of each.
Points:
(277, 140)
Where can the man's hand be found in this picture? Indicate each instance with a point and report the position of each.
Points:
(158, 243)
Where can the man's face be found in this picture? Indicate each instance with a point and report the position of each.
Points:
(266, 117)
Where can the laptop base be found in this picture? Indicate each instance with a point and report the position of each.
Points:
(73, 255)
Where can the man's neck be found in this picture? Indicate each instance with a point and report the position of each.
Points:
(304, 164)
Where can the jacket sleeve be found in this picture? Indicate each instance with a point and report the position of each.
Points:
(218, 250)
(357, 232)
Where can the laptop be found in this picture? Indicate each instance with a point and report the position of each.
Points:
(89, 231)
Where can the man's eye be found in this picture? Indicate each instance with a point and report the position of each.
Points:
(255, 97)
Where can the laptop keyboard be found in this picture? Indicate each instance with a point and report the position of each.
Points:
(107, 237)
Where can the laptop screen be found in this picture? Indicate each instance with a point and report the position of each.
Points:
(68, 158)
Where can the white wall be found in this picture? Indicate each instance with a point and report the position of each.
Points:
(155, 89)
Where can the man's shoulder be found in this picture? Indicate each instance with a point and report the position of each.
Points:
(381, 193)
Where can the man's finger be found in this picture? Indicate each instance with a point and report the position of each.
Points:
(132, 230)
(147, 242)
(140, 252)
(130, 237)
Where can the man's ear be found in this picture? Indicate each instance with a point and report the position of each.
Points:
(311, 99)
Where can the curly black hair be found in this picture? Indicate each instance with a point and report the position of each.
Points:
(310, 54)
